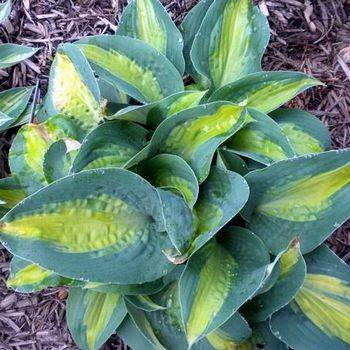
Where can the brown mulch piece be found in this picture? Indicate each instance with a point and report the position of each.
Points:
(310, 36)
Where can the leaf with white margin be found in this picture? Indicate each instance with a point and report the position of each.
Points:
(219, 279)
(305, 133)
(148, 20)
(319, 316)
(303, 197)
(132, 66)
(102, 225)
(194, 134)
(230, 41)
(92, 316)
(265, 91)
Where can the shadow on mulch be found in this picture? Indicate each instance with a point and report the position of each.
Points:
(310, 36)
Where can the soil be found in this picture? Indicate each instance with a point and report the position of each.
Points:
(310, 36)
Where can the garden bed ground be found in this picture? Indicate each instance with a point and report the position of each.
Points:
(310, 36)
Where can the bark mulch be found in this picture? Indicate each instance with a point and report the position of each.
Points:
(310, 36)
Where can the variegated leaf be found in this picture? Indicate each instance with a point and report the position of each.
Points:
(291, 276)
(147, 20)
(304, 197)
(111, 144)
(132, 66)
(144, 302)
(101, 225)
(26, 277)
(219, 279)
(11, 54)
(179, 223)
(189, 28)
(13, 103)
(228, 160)
(264, 339)
(28, 151)
(153, 114)
(73, 90)
(93, 316)
(59, 158)
(11, 193)
(319, 316)
(195, 133)
(265, 91)
(306, 133)
(221, 197)
(171, 172)
(230, 42)
(261, 140)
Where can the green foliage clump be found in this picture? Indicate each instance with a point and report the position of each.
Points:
(183, 217)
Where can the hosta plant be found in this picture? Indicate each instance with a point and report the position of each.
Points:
(181, 217)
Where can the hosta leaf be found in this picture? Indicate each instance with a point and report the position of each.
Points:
(230, 42)
(265, 91)
(221, 197)
(233, 334)
(171, 172)
(302, 197)
(132, 336)
(154, 113)
(27, 153)
(13, 103)
(58, 159)
(11, 54)
(73, 90)
(132, 66)
(144, 325)
(93, 316)
(179, 223)
(111, 144)
(261, 140)
(292, 272)
(228, 160)
(219, 279)
(166, 325)
(101, 225)
(11, 193)
(5, 9)
(195, 133)
(305, 133)
(112, 94)
(264, 339)
(128, 289)
(319, 316)
(144, 302)
(189, 28)
(26, 277)
(147, 20)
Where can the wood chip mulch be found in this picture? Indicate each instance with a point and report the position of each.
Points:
(310, 36)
